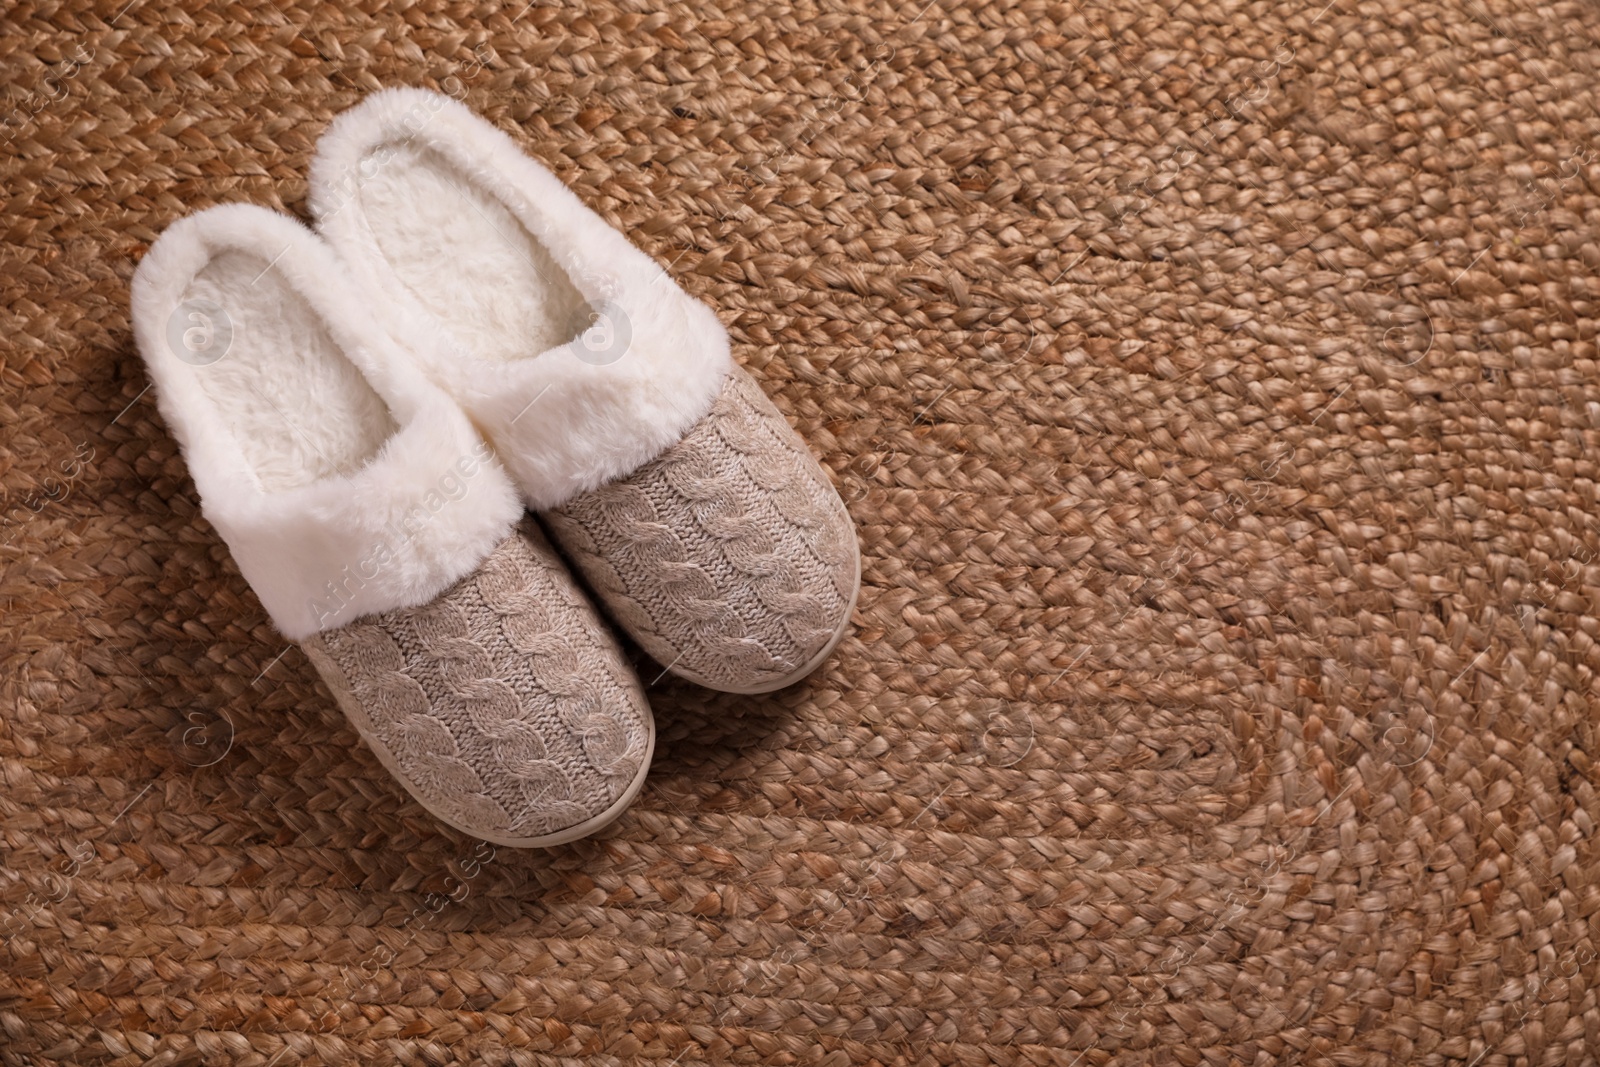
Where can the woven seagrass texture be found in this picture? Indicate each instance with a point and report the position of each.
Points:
(1213, 386)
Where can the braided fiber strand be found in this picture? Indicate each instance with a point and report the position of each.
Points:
(714, 497)
(1213, 386)
(514, 592)
(679, 604)
(544, 796)
(778, 462)
(392, 710)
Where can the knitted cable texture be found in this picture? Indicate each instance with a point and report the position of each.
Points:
(729, 557)
(502, 704)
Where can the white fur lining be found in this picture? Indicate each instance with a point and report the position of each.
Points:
(343, 482)
(570, 348)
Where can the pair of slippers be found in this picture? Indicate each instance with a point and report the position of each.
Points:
(368, 412)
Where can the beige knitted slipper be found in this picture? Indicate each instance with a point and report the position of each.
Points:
(729, 558)
(698, 516)
(503, 705)
(380, 532)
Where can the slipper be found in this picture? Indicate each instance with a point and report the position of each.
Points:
(697, 515)
(380, 532)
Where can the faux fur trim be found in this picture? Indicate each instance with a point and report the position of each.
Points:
(425, 506)
(562, 423)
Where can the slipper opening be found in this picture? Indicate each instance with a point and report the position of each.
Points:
(265, 360)
(463, 256)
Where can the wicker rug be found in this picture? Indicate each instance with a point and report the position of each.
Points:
(1214, 385)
